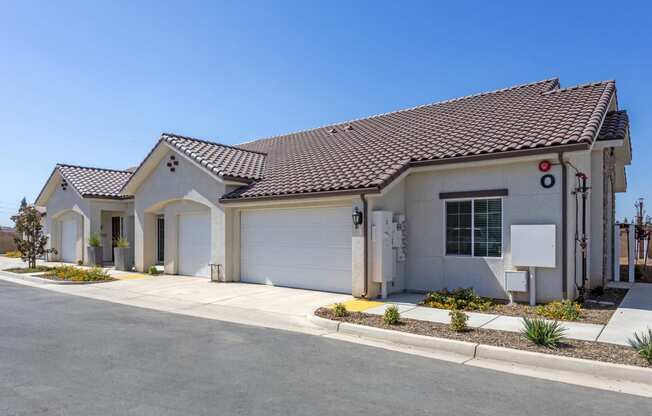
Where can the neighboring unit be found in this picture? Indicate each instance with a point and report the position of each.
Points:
(417, 199)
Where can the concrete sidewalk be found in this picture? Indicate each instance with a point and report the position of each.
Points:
(633, 315)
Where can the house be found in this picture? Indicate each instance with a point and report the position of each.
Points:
(81, 201)
(413, 200)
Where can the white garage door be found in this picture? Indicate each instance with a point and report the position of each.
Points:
(307, 248)
(194, 245)
(69, 241)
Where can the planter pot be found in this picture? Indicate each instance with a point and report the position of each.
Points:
(122, 257)
(95, 256)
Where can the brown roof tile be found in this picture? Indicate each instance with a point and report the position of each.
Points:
(95, 182)
(370, 152)
(615, 126)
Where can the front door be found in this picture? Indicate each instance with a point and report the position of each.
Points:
(116, 233)
(160, 239)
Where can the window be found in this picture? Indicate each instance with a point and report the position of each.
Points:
(474, 227)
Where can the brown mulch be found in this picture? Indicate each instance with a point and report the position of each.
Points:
(570, 348)
(592, 313)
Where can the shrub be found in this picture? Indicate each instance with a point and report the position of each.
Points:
(392, 316)
(339, 310)
(565, 310)
(79, 275)
(14, 254)
(460, 299)
(643, 344)
(458, 321)
(152, 270)
(122, 243)
(95, 240)
(544, 333)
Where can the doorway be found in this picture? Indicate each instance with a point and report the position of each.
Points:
(160, 239)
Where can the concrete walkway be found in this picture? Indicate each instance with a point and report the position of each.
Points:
(407, 306)
(633, 315)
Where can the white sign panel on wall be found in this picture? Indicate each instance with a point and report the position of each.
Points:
(534, 245)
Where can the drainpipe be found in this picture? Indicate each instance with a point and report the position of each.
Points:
(564, 225)
(365, 240)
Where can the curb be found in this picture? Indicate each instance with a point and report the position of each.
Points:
(481, 352)
(561, 363)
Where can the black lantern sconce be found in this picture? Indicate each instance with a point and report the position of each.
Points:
(357, 217)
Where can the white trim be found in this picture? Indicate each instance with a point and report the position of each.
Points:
(472, 255)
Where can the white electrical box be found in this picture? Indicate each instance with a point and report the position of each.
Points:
(382, 238)
(516, 281)
(534, 245)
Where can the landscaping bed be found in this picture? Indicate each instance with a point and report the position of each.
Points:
(24, 270)
(76, 274)
(597, 309)
(570, 348)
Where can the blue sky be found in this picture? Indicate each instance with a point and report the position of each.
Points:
(96, 83)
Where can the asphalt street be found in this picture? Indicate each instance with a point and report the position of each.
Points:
(67, 355)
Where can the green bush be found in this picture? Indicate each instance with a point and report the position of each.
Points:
(463, 299)
(544, 333)
(565, 310)
(392, 316)
(80, 262)
(76, 274)
(339, 310)
(643, 344)
(458, 321)
(95, 240)
(152, 270)
(122, 243)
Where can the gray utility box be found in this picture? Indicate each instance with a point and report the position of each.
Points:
(516, 281)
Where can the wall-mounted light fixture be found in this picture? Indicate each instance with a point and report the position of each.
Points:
(357, 217)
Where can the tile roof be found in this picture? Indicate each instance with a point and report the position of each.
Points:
(370, 152)
(615, 126)
(223, 160)
(95, 182)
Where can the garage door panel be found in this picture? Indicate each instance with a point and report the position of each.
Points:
(194, 245)
(306, 248)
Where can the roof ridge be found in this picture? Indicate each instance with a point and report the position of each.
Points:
(171, 135)
(578, 86)
(435, 103)
(92, 167)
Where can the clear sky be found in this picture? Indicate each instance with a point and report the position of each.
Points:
(95, 83)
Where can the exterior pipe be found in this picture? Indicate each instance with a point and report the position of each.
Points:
(365, 241)
(564, 225)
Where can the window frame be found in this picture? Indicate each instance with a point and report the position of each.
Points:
(502, 227)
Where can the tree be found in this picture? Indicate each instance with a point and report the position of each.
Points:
(29, 239)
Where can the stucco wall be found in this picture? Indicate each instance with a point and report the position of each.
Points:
(528, 202)
(163, 187)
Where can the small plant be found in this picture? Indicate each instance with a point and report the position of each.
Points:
(643, 344)
(79, 275)
(392, 316)
(544, 333)
(14, 254)
(122, 243)
(460, 299)
(80, 262)
(458, 321)
(565, 310)
(95, 240)
(339, 310)
(152, 270)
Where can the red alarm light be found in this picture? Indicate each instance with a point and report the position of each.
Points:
(544, 166)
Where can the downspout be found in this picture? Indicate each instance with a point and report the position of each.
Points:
(365, 242)
(564, 225)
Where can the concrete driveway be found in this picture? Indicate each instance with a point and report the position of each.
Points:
(268, 306)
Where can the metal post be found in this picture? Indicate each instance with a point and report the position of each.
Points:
(533, 287)
(631, 251)
(616, 257)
